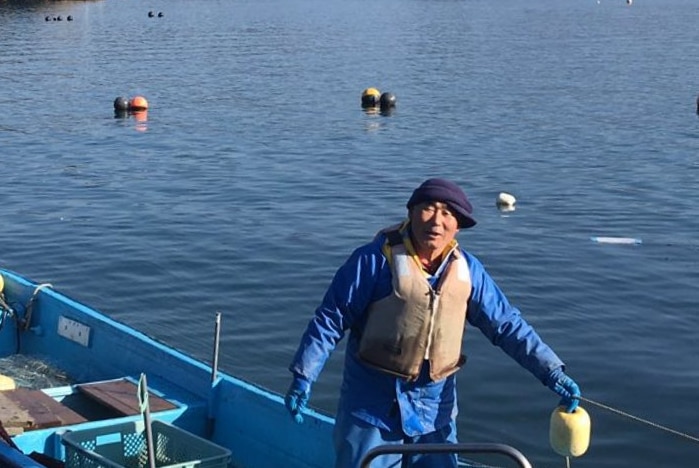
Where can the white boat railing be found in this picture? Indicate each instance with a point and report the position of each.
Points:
(463, 448)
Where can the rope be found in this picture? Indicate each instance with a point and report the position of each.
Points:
(30, 305)
(641, 420)
(5, 310)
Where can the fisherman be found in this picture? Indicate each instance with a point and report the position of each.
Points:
(405, 298)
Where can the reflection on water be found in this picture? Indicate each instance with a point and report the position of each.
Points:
(140, 118)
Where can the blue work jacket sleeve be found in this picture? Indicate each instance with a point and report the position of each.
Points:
(351, 290)
(490, 311)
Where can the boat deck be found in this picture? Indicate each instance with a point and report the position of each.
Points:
(39, 417)
(24, 409)
(121, 396)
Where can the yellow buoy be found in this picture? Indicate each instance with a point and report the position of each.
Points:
(7, 383)
(569, 433)
(370, 97)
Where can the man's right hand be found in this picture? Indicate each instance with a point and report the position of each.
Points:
(296, 399)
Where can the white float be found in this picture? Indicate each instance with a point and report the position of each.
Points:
(616, 240)
(506, 201)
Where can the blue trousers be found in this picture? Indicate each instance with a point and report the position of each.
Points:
(354, 438)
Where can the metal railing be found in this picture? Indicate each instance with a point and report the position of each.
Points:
(413, 449)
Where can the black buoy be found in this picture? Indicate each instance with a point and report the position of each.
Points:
(48, 18)
(121, 104)
(387, 101)
(151, 14)
(160, 14)
(70, 18)
(697, 105)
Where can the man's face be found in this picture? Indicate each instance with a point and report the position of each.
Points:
(434, 226)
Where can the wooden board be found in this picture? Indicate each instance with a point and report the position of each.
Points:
(25, 409)
(122, 396)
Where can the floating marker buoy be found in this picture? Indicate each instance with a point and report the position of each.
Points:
(151, 14)
(160, 14)
(70, 18)
(7, 383)
(121, 104)
(505, 200)
(387, 101)
(569, 433)
(138, 103)
(370, 97)
(616, 240)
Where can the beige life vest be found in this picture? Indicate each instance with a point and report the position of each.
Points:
(417, 322)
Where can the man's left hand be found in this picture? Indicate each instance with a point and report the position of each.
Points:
(566, 387)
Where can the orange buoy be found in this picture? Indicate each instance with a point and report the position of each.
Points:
(138, 103)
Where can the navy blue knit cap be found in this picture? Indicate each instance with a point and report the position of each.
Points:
(445, 191)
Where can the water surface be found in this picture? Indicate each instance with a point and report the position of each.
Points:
(256, 173)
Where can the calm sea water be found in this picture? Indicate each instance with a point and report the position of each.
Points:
(256, 173)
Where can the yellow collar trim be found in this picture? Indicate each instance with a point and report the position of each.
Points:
(410, 249)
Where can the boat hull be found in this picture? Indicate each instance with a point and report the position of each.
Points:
(89, 346)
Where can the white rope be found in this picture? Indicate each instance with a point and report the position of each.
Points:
(30, 304)
(40, 287)
(641, 420)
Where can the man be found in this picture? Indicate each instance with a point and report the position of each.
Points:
(405, 298)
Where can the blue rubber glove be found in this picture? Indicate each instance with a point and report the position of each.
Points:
(296, 399)
(566, 387)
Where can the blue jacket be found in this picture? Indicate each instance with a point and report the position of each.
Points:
(381, 399)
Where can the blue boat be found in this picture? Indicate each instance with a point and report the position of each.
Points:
(125, 399)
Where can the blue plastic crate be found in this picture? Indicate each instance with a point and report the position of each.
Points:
(124, 446)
